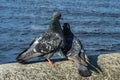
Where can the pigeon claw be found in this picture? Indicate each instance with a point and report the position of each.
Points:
(51, 63)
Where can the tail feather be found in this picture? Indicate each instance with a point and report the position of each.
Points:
(84, 56)
(87, 59)
(26, 55)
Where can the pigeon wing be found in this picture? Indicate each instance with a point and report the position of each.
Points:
(49, 42)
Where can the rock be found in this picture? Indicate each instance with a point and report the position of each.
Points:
(109, 64)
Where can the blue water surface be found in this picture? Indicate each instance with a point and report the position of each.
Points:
(95, 22)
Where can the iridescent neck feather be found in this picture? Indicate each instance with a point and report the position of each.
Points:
(51, 24)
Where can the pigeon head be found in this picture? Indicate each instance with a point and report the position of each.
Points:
(54, 23)
(66, 26)
(66, 29)
(56, 16)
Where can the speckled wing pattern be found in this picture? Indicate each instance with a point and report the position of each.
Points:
(47, 43)
(76, 47)
(44, 46)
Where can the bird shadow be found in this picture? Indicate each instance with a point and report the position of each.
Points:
(93, 64)
(44, 60)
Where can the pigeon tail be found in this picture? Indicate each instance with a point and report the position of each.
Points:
(84, 56)
(87, 59)
(27, 55)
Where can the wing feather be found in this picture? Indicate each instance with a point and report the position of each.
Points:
(49, 42)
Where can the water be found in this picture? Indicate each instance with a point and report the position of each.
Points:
(96, 23)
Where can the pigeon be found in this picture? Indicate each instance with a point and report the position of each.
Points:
(74, 51)
(46, 44)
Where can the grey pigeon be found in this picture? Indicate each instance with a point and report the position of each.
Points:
(74, 51)
(47, 44)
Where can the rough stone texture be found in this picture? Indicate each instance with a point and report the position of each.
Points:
(65, 70)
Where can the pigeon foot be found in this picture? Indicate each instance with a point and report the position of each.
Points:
(51, 63)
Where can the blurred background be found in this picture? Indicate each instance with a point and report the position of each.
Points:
(95, 22)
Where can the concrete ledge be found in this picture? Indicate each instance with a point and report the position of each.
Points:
(65, 70)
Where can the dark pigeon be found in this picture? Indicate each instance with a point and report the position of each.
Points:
(47, 44)
(74, 51)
